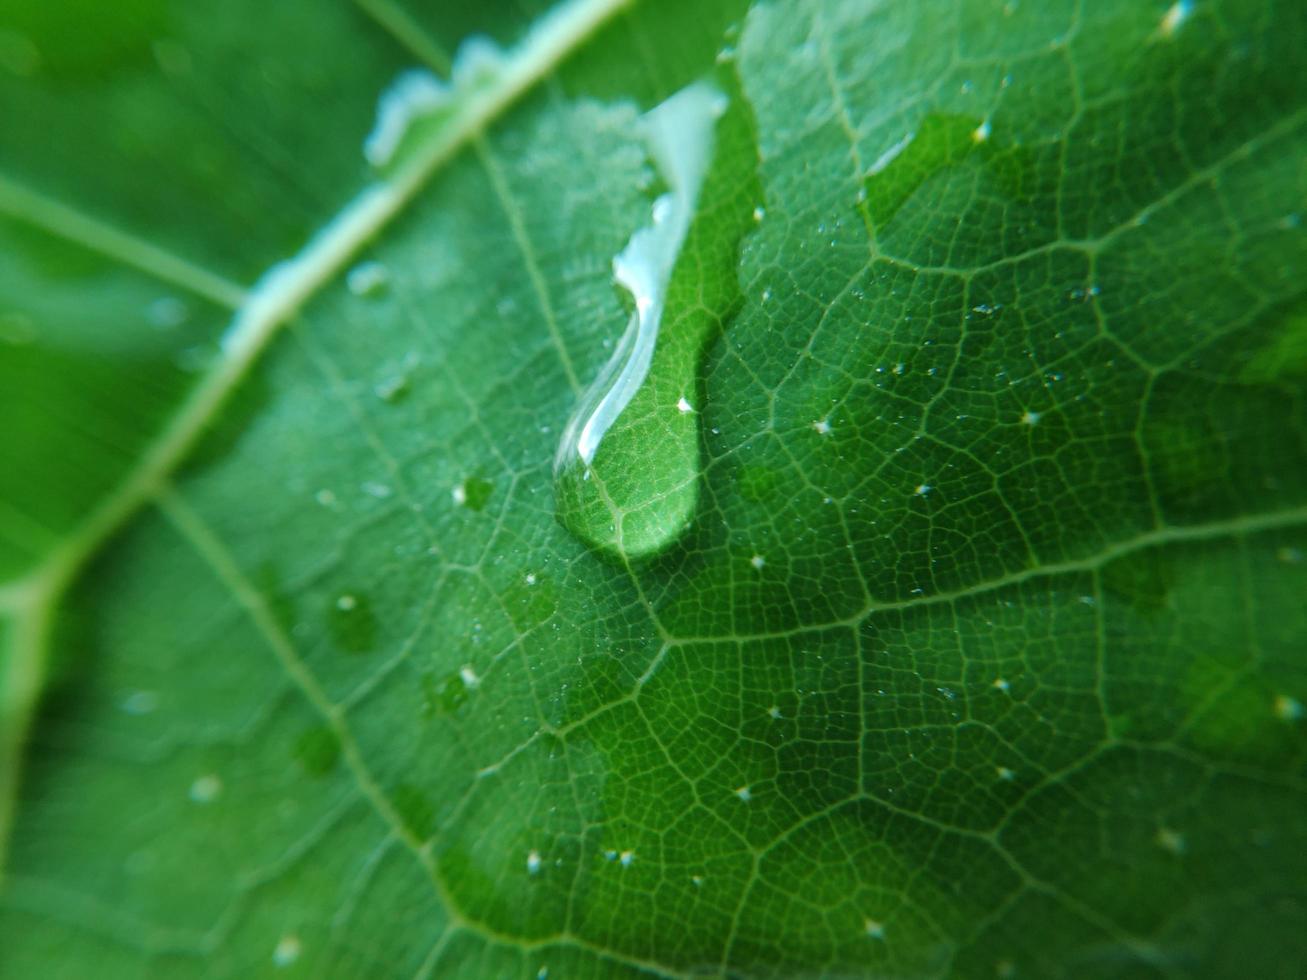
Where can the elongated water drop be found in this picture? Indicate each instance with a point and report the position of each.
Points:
(626, 477)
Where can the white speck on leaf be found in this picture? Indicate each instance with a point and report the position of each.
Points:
(346, 603)
(822, 427)
(206, 788)
(758, 561)
(683, 406)
(533, 863)
(744, 793)
(625, 858)
(468, 676)
(287, 950)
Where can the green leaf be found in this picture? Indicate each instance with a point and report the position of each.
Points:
(976, 651)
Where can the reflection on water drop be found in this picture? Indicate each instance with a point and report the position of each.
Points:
(626, 471)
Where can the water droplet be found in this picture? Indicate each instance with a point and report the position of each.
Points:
(415, 94)
(351, 623)
(367, 279)
(478, 61)
(414, 809)
(1170, 840)
(443, 697)
(287, 950)
(167, 312)
(206, 789)
(140, 703)
(627, 467)
(1287, 708)
(473, 493)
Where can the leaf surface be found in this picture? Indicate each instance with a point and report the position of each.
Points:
(980, 655)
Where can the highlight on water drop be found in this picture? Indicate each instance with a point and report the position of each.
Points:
(627, 466)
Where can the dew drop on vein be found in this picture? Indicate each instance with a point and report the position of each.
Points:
(626, 474)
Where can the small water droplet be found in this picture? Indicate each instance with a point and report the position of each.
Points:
(140, 703)
(473, 493)
(287, 950)
(167, 312)
(479, 61)
(367, 279)
(206, 789)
